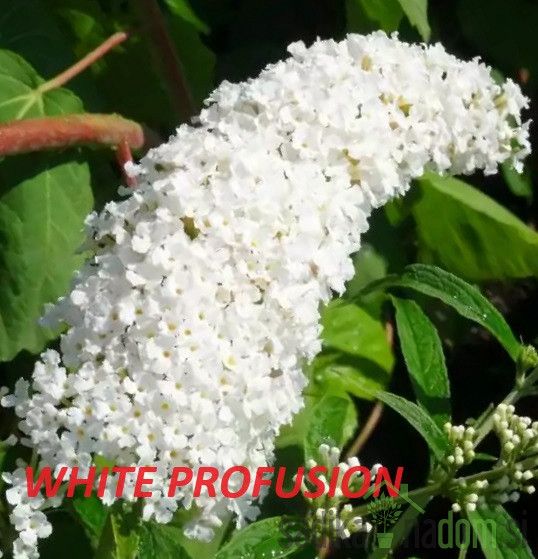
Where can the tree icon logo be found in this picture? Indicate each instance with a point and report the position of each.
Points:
(384, 512)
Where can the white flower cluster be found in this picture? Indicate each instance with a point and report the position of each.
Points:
(26, 517)
(518, 464)
(187, 331)
(332, 514)
(463, 442)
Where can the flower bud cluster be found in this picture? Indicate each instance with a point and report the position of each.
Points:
(463, 441)
(517, 464)
(518, 435)
(185, 334)
(338, 522)
(334, 510)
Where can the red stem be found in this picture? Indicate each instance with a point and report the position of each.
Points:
(81, 65)
(63, 131)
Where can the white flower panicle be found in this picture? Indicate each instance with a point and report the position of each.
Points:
(186, 332)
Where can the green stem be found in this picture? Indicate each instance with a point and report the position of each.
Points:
(438, 488)
(463, 552)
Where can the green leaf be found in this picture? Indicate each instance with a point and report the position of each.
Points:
(295, 434)
(357, 357)
(93, 515)
(183, 9)
(161, 542)
(43, 203)
(498, 534)
(457, 293)
(474, 236)
(416, 12)
(349, 328)
(330, 423)
(275, 537)
(20, 96)
(126, 538)
(420, 420)
(370, 264)
(368, 15)
(423, 354)
(519, 183)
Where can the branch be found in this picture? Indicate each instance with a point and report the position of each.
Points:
(367, 431)
(376, 413)
(158, 36)
(81, 65)
(38, 134)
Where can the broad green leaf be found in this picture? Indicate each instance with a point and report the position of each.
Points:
(161, 542)
(457, 293)
(20, 96)
(420, 420)
(43, 203)
(498, 534)
(519, 183)
(349, 328)
(416, 12)
(272, 538)
(367, 15)
(93, 515)
(474, 236)
(386, 12)
(357, 356)
(126, 532)
(295, 434)
(183, 9)
(332, 422)
(340, 372)
(370, 264)
(423, 354)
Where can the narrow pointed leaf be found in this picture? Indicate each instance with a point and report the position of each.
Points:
(423, 354)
